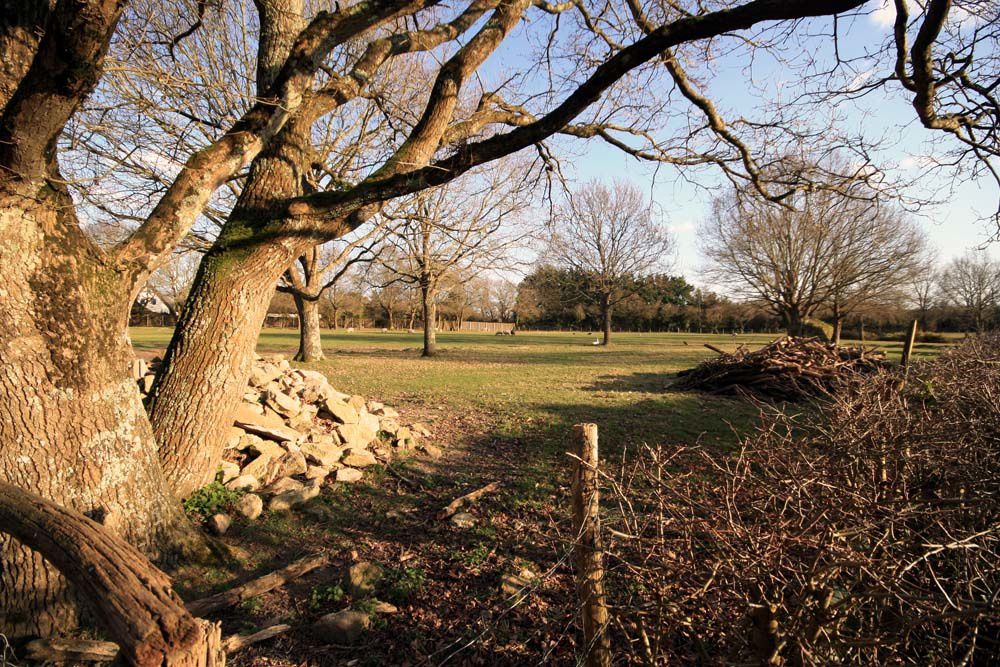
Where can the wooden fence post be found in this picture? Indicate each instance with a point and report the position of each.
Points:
(911, 338)
(587, 552)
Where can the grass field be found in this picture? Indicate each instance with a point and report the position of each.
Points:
(501, 408)
(536, 383)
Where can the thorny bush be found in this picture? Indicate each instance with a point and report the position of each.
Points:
(861, 531)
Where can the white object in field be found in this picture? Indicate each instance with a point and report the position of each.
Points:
(597, 342)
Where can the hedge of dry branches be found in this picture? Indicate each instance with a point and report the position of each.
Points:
(864, 532)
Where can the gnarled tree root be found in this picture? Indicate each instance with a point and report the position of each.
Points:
(132, 600)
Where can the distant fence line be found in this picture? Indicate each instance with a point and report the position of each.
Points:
(488, 327)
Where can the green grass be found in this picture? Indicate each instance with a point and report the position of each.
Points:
(535, 385)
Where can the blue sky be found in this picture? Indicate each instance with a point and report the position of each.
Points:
(952, 227)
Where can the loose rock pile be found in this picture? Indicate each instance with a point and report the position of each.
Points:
(293, 431)
(788, 369)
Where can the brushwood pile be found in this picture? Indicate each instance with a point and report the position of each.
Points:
(789, 369)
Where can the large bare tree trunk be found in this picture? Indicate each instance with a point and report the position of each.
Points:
(310, 336)
(72, 425)
(208, 362)
(430, 320)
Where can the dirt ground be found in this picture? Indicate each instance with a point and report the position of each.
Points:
(446, 581)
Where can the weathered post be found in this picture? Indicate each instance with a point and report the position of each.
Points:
(588, 556)
(911, 338)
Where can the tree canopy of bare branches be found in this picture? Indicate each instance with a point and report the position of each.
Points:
(450, 233)
(827, 249)
(608, 235)
(972, 282)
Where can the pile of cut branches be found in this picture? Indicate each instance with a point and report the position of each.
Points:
(788, 369)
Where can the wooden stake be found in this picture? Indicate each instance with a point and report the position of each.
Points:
(911, 338)
(588, 556)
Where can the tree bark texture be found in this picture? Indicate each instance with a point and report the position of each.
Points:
(310, 335)
(131, 599)
(72, 424)
(208, 361)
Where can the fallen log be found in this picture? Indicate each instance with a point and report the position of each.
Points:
(132, 600)
(234, 643)
(268, 582)
(70, 650)
(455, 505)
(57, 650)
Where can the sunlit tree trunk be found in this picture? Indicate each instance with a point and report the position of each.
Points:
(310, 335)
(72, 424)
(208, 361)
(430, 320)
(606, 318)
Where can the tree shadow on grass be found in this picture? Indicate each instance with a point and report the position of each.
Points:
(634, 382)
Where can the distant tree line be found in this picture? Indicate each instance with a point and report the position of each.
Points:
(556, 298)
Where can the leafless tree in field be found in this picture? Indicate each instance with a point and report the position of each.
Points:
(827, 250)
(876, 255)
(923, 289)
(316, 272)
(972, 282)
(449, 231)
(608, 235)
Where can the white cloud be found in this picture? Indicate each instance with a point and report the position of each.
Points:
(157, 162)
(884, 14)
(682, 227)
(916, 162)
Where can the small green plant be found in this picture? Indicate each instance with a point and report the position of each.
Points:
(401, 585)
(475, 556)
(321, 596)
(367, 606)
(251, 605)
(211, 499)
